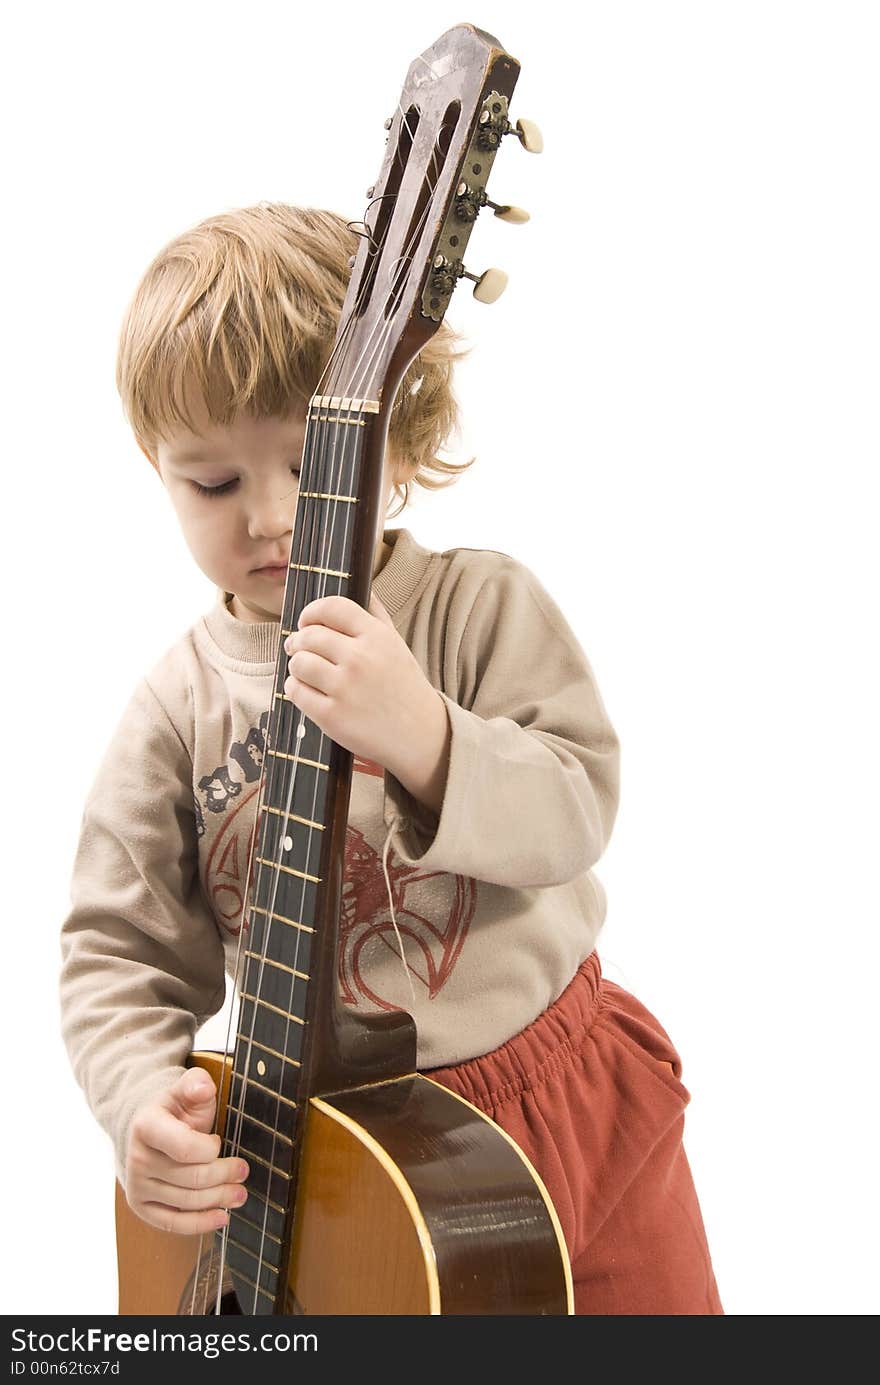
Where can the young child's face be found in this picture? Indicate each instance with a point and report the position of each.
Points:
(239, 527)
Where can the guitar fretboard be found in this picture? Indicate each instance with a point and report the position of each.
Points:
(269, 1085)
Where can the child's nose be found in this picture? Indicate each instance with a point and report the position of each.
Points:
(271, 515)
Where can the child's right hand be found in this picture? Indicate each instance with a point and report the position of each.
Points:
(174, 1178)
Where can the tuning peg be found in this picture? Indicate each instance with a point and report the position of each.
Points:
(515, 215)
(529, 136)
(488, 286)
(470, 201)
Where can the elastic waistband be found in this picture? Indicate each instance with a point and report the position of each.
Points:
(531, 1056)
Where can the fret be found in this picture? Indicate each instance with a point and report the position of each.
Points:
(261, 1197)
(264, 1293)
(283, 987)
(291, 923)
(321, 545)
(264, 1137)
(293, 817)
(306, 753)
(246, 1115)
(263, 1148)
(292, 892)
(300, 759)
(246, 995)
(298, 786)
(344, 401)
(292, 726)
(323, 495)
(273, 1030)
(324, 571)
(291, 870)
(275, 1053)
(263, 1261)
(251, 1154)
(295, 847)
(255, 1226)
(269, 1183)
(260, 957)
(303, 905)
(328, 418)
(276, 1096)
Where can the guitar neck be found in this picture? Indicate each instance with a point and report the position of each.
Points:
(294, 1038)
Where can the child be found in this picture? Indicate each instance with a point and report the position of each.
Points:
(485, 787)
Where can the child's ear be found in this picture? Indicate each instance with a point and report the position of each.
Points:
(401, 469)
(150, 459)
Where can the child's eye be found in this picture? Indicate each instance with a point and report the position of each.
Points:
(213, 490)
(227, 485)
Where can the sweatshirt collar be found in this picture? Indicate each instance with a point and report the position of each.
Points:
(256, 642)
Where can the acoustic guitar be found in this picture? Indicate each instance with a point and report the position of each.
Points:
(373, 1189)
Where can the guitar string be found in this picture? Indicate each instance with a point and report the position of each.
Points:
(327, 540)
(233, 1140)
(341, 345)
(327, 537)
(284, 833)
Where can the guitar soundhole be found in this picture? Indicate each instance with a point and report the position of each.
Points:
(199, 1298)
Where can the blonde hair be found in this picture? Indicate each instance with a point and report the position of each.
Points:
(247, 303)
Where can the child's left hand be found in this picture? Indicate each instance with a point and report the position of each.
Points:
(356, 678)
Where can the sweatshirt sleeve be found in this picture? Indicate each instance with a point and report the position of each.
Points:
(534, 764)
(142, 961)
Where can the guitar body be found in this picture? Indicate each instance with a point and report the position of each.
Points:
(410, 1201)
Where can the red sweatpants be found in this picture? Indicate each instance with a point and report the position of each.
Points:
(591, 1093)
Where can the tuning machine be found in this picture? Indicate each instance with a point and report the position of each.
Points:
(489, 285)
(494, 125)
(445, 274)
(469, 201)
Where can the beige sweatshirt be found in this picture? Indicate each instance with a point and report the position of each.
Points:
(495, 900)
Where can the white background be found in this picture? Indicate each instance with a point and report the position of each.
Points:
(674, 411)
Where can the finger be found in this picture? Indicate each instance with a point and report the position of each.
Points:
(159, 1130)
(312, 703)
(181, 1223)
(224, 1195)
(319, 639)
(314, 670)
(339, 612)
(193, 1098)
(200, 1176)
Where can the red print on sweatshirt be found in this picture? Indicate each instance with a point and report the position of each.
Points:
(433, 909)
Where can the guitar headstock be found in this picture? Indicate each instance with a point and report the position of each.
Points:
(442, 141)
